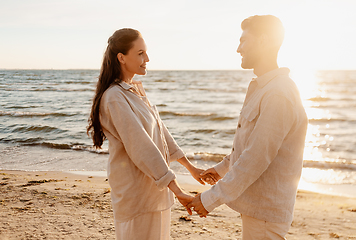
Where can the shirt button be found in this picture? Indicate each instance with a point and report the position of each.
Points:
(239, 125)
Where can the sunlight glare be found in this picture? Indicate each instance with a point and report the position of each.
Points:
(307, 84)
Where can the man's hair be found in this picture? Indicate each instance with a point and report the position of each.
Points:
(265, 24)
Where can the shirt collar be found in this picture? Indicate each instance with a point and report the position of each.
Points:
(125, 86)
(267, 77)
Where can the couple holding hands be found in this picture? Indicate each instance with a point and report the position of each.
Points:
(258, 179)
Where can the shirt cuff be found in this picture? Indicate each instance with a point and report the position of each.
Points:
(209, 200)
(223, 167)
(176, 155)
(165, 180)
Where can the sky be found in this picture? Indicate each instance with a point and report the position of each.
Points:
(180, 35)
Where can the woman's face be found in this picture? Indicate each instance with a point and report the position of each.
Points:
(134, 62)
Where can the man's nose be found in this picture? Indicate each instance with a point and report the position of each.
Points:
(238, 49)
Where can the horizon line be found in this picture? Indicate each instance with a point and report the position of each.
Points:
(98, 69)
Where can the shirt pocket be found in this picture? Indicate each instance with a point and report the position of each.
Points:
(250, 113)
(247, 121)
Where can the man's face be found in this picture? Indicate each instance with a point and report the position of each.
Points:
(249, 50)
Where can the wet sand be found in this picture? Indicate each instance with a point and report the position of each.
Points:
(57, 205)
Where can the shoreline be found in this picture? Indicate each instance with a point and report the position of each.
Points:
(342, 190)
(64, 205)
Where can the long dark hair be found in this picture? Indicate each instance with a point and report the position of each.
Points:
(120, 42)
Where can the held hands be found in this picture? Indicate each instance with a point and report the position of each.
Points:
(197, 206)
(182, 197)
(210, 176)
(189, 202)
(196, 174)
(185, 199)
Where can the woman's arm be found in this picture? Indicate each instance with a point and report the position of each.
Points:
(127, 127)
(194, 171)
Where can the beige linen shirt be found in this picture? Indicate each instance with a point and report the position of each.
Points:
(261, 175)
(140, 149)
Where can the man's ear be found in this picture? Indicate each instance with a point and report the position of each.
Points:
(121, 58)
(264, 40)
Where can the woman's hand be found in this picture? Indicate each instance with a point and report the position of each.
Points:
(195, 172)
(185, 199)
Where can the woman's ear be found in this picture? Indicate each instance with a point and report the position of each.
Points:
(121, 58)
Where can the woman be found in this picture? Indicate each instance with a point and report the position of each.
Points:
(139, 143)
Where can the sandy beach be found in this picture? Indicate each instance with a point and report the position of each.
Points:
(60, 205)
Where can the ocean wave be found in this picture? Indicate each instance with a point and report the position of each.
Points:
(63, 146)
(164, 81)
(208, 116)
(318, 99)
(49, 145)
(216, 157)
(168, 113)
(329, 165)
(49, 90)
(21, 140)
(46, 129)
(345, 106)
(322, 120)
(214, 131)
(89, 149)
(33, 114)
(21, 107)
(203, 156)
(217, 90)
(80, 82)
(201, 131)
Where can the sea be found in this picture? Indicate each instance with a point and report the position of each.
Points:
(44, 115)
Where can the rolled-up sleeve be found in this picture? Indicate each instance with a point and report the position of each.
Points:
(175, 151)
(272, 126)
(139, 146)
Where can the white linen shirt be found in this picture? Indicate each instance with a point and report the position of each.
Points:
(261, 175)
(140, 149)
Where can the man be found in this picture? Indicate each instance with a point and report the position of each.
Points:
(259, 178)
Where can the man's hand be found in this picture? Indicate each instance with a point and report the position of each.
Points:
(197, 206)
(210, 176)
